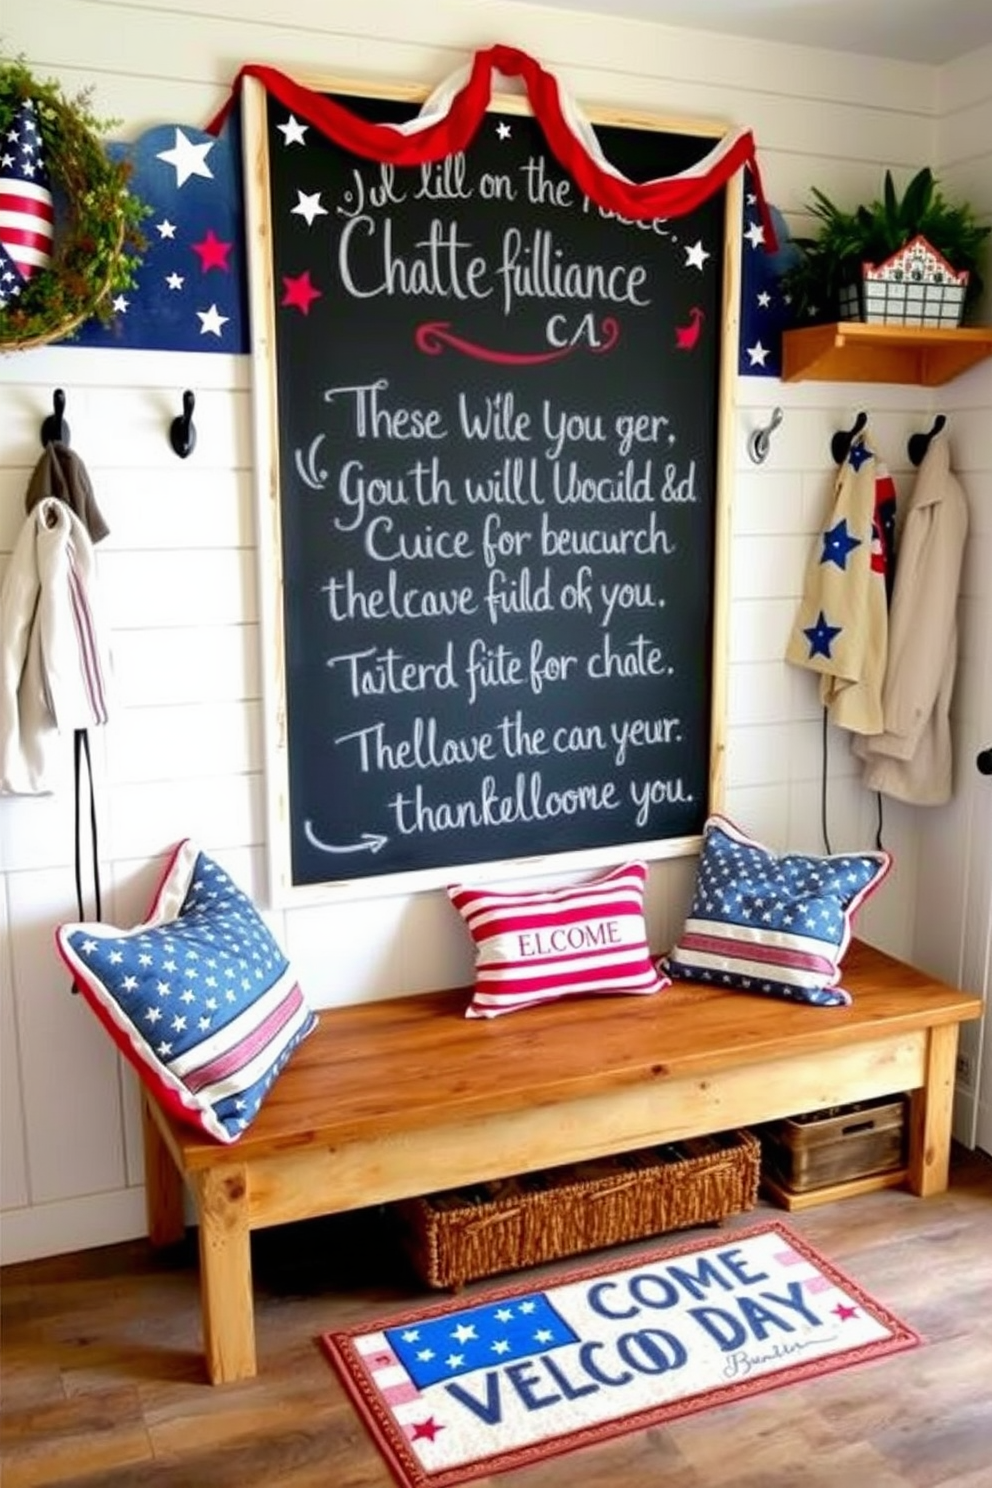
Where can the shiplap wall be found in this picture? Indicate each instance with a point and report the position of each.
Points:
(955, 876)
(182, 754)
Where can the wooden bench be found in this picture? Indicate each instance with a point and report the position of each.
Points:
(391, 1099)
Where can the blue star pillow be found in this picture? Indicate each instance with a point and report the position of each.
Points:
(199, 998)
(760, 922)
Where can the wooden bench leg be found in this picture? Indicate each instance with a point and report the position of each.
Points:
(164, 1189)
(931, 1115)
(226, 1300)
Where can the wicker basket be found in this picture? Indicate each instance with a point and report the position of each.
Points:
(462, 1234)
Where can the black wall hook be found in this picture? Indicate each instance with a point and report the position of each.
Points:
(920, 443)
(55, 430)
(841, 442)
(182, 433)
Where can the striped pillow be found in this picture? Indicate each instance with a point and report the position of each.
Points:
(760, 922)
(199, 998)
(540, 945)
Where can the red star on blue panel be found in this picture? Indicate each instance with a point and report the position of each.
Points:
(821, 636)
(837, 543)
(212, 252)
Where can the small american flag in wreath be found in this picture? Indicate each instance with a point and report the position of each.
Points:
(26, 207)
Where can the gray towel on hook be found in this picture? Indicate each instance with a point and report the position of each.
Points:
(61, 473)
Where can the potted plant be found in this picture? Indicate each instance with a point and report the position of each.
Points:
(913, 258)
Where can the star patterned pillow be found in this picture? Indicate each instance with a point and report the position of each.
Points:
(760, 922)
(199, 998)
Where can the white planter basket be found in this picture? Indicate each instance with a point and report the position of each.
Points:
(915, 287)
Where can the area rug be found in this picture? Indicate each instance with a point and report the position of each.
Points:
(464, 1388)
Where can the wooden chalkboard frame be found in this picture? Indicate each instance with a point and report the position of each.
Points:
(283, 890)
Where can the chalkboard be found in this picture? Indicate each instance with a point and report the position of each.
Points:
(490, 449)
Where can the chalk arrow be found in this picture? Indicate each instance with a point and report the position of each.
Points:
(370, 842)
(310, 473)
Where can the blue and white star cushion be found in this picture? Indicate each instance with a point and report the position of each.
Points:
(199, 998)
(760, 922)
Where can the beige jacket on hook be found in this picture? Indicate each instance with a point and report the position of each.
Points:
(912, 758)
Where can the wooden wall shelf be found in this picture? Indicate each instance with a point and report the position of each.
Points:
(852, 351)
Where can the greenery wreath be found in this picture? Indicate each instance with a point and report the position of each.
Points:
(98, 240)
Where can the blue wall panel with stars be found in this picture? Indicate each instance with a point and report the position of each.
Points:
(192, 285)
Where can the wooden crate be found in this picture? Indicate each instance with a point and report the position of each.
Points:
(461, 1234)
(825, 1148)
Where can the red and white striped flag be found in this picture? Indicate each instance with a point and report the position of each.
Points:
(449, 118)
(26, 212)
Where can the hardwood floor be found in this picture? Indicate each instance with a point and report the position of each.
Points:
(102, 1383)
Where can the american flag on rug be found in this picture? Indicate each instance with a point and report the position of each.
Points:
(457, 1343)
(26, 209)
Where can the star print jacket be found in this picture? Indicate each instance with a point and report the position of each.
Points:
(54, 663)
(910, 758)
(841, 627)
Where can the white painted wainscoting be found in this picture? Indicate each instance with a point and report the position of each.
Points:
(182, 755)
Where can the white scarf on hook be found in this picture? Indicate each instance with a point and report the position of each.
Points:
(54, 660)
